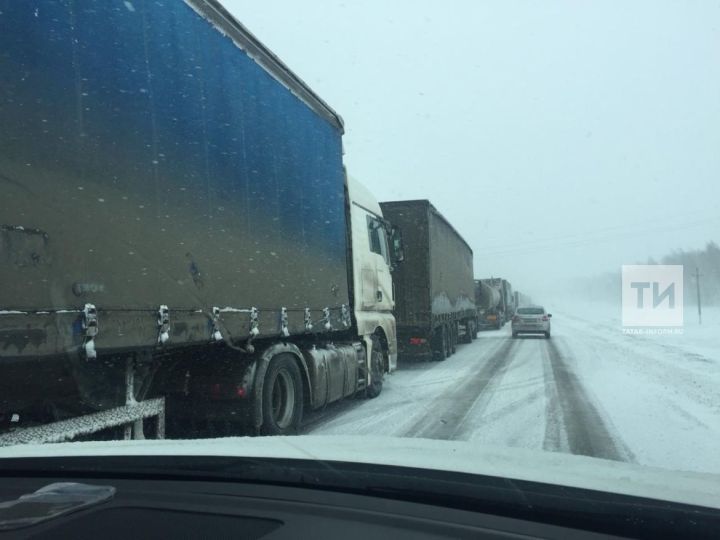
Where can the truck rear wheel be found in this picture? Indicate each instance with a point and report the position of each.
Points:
(448, 341)
(377, 369)
(282, 397)
(439, 344)
(467, 336)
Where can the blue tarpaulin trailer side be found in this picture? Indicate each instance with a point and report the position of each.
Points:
(155, 154)
(165, 183)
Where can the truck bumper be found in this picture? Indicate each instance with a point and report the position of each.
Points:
(414, 344)
(415, 354)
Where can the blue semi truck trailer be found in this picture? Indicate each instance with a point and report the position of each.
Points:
(176, 224)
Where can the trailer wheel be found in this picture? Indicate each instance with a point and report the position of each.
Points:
(448, 341)
(439, 344)
(377, 369)
(282, 397)
(454, 336)
(467, 337)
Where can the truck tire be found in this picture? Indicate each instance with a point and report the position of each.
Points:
(467, 336)
(377, 369)
(448, 341)
(439, 344)
(475, 326)
(547, 335)
(282, 397)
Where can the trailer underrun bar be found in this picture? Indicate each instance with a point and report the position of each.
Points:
(130, 415)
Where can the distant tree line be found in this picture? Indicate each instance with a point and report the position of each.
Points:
(608, 286)
(708, 262)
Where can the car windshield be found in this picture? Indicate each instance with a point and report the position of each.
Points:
(311, 225)
(530, 311)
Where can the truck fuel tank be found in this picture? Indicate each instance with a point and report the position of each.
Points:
(334, 372)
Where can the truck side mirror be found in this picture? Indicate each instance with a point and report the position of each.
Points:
(398, 253)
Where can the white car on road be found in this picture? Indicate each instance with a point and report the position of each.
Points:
(531, 320)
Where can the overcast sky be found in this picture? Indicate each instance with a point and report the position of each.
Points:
(560, 138)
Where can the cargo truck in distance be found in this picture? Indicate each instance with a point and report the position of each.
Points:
(495, 302)
(510, 304)
(178, 235)
(434, 304)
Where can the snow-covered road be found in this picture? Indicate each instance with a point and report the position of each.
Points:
(590, 390)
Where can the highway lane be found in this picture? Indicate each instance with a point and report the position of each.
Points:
(497, 390)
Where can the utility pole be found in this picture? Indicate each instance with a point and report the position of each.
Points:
(697, 284)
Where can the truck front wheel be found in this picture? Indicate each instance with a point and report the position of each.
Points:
(377, 369)
(282, 397)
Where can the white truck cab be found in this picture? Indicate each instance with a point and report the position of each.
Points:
(372, 262)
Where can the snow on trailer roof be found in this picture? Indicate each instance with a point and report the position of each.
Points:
(214, 12)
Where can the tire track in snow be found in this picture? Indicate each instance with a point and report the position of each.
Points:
(405, 399)
(506, 410)
(555, 439)
(572, 418)
(317, 418)
(445, 414)
(509, 391)
(680, 374)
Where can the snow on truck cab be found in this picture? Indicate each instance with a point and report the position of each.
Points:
(376, 250)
